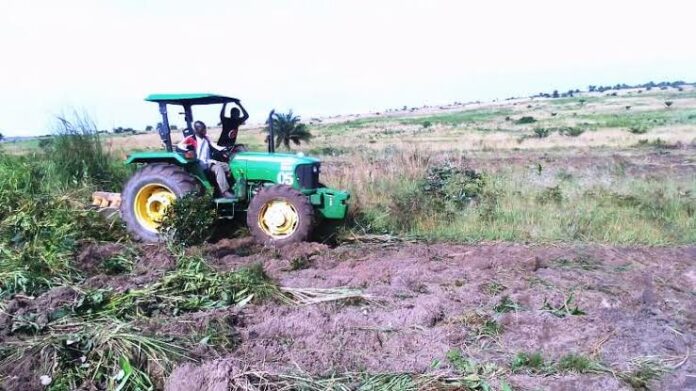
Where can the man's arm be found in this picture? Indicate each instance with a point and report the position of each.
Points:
(215, 146)
(245, 115)
(185, 143)
(222, 112)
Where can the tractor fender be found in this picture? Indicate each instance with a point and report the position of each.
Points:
(159, 157)
(175, 159)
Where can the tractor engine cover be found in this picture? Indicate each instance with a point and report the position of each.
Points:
(297, 171)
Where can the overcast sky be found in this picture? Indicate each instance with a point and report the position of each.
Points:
(323, 57)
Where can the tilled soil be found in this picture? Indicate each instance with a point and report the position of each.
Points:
(429, 299)
(426, 300)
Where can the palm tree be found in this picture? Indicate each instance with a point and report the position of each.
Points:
(288, 128)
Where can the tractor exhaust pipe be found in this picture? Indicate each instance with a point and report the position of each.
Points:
(271, 135)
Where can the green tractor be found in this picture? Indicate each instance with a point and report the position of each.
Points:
(280, 193)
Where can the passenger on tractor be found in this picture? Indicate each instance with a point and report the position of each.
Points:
(201, 144)
(231, 124)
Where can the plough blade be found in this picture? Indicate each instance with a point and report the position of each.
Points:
(102, 199)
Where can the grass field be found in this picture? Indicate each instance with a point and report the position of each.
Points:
(518, 245)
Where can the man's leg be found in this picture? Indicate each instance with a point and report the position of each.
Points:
(220, 170)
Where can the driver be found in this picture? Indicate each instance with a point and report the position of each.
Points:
(200, 143)
(231, 124)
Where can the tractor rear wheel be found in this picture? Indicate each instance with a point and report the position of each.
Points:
(280, 215)
(147, 195)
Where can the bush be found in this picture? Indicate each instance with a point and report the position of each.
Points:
(426, 124)
(78, 156)
(328, 151)
(189, 221)
(542, 132)
(45, 143)
(525, 120)
(550, 194)
(449, 185)
(638, 129)
(41, 227)
(445, 189)
(571, 131)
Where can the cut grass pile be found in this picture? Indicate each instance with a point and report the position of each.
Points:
(638, 375)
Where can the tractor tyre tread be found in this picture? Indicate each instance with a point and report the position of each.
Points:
(301, 203)
(174, 177)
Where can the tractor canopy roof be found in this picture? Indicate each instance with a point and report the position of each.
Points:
(190, 99)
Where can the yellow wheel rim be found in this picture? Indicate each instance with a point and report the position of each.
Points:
(151, 203)
(278, 219)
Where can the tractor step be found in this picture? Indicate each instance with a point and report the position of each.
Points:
(226, 201)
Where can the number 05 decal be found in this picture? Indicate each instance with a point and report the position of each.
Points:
(286, 178)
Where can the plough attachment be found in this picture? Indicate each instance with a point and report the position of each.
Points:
(102, 199)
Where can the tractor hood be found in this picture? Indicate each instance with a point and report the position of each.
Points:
(281, 168)
(276, 158)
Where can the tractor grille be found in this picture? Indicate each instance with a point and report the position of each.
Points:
(308, 175)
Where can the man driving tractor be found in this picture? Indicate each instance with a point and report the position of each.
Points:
(201, 145)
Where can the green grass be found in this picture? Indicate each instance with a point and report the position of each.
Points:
(640, 119)
(458, 118)
(532, 363)
(506, 304)
(346, 126)
(511, 207)
(103, 353)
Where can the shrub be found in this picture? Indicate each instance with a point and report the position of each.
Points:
(41, 227)
(571, 131)
(550, 194)
(525, 120)
(426, 124)
(449, 185)
(189, 220)
(78, 156)
(542, 132)
(638, 129)
(446, 189)
(328, 151)
(45, 143)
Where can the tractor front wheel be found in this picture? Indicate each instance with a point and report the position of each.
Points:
(280, 215)
(148, 194)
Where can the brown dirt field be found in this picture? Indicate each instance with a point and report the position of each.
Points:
(429, 299)
(425, 300)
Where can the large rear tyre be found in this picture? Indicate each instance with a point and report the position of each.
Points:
(147, 195)
(280, 215)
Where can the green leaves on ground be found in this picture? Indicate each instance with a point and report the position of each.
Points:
(564, 309)
(100, 354)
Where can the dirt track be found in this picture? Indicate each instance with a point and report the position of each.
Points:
(428, 299)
